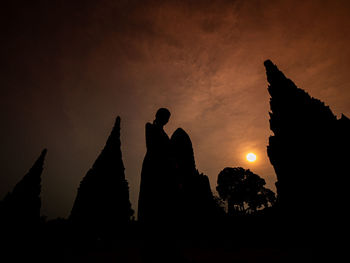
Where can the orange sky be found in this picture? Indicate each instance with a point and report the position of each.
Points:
(69, 70)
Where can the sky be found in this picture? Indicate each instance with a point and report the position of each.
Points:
(68, 68)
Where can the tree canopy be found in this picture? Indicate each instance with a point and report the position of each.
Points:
(243, 191)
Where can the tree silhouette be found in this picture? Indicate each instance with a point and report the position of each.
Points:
(102, 204)
(243, 190)
(305, 152)
(20, 221)
(21, 207)
(264, 197)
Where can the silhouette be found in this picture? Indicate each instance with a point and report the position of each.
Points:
(307, 153)
(244, 191)
(20, 220)
(171, 186)
(156, 190)
(176, 204)
(102, 205)
(194, 200)
(21, 207)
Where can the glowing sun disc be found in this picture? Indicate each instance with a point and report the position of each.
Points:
(251, 157)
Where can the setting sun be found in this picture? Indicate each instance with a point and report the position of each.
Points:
(251, 157)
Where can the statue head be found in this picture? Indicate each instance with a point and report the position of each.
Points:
(162, 116)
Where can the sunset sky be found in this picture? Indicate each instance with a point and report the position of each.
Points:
(68, 68)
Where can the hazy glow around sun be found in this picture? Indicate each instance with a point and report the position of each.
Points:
(251, 157)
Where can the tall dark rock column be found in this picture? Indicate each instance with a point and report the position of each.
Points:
(22, 206)
(102, 205)
(304, 152)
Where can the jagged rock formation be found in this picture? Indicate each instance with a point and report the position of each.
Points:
(194, 200)
(306, 151)
(102, 204)
(21, 207)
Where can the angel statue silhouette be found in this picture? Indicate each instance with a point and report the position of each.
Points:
(171, 187)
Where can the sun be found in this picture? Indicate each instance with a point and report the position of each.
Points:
(251, 157)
